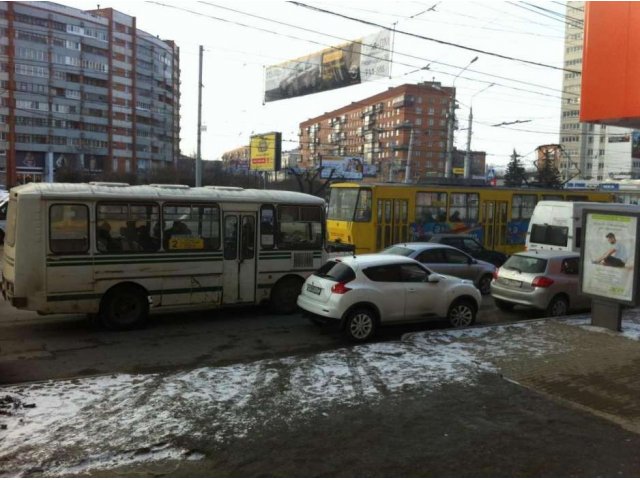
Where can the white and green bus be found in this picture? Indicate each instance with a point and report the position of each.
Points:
(121, 251)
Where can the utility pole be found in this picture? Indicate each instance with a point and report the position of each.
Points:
(451, 122)
(448, 166)
(467, 155)
(199, 150)
(407, 168)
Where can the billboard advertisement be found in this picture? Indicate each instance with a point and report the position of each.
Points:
(609, 255)
(265, 152)
(30, 161)
(351, 63)
(346, 168)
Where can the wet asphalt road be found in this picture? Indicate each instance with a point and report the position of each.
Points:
(34, 348)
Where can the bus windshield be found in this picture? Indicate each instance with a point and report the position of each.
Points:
(350, 204)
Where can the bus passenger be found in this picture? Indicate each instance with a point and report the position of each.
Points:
(104, 240)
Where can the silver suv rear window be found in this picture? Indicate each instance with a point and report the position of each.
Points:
(525, 264)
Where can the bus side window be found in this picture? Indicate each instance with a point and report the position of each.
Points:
(69, 228)
(267, 226)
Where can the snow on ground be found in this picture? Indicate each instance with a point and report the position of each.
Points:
(105, 422)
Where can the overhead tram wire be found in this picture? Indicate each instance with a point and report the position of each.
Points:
(528, 9)
(388, 50)
(527, 20)
(442, 42)
(562, 16)
(566, 4)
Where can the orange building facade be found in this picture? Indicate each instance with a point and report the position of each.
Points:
(611, 64)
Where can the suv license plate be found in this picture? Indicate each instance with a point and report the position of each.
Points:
(314, 289)
(512, 283)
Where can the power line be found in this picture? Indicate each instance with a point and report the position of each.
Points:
(383, 49)
(533, 9)
(442, 42)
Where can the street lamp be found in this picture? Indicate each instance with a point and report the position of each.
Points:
(467, 155)
(451, 122)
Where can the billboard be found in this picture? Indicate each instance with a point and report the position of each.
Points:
(351, 63)
(265, 152)
(30, 161)
(346, 168)
(610, 245)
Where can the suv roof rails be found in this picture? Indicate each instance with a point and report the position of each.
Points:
(170, 185)
(109, 184)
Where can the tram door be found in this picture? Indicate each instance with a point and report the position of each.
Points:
(392, 222)
(494, 218)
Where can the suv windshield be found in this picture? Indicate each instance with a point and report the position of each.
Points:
(337, 271)
(526, 264)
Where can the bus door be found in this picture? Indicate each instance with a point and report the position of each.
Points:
(391, 222)
(239, 264)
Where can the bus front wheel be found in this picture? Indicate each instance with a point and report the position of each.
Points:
(284, 295)
(124, 308)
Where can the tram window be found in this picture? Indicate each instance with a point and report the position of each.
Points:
(363, 207)
(464, 207)
(522, 206)
(431, 207)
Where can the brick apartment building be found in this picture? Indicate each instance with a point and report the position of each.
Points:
(83, 89)
(379, 129)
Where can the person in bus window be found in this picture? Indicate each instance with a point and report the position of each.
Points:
(105, 242)
(178, 228)
(455, 216)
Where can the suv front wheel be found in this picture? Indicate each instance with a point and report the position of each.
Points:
(462, 313)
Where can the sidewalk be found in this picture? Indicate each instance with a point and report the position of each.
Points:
(587, 367)
(511, 400)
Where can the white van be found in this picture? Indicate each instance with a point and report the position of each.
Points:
(557, 225)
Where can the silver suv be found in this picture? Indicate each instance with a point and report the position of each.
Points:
(542, 279)
(448, 260)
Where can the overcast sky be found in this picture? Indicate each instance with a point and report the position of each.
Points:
(238, 46)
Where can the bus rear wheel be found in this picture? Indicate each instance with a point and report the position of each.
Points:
(124, 308)
(284, 295)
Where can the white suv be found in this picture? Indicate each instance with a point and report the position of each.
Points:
(366, 291)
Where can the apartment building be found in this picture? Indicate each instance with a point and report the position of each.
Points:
(404, 124)
(590, 151)
(85, 90)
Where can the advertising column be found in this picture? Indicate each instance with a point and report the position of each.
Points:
(609, 264)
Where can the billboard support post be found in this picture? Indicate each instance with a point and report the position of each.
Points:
(606, 315)
(199, 151)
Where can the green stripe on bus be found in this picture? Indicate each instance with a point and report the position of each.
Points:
(73, 296)
(148, 255)
(124, 261)
(94, 296)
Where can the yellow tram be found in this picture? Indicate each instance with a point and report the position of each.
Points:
(374, 216)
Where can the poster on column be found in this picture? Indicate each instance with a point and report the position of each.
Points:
(609, 256)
